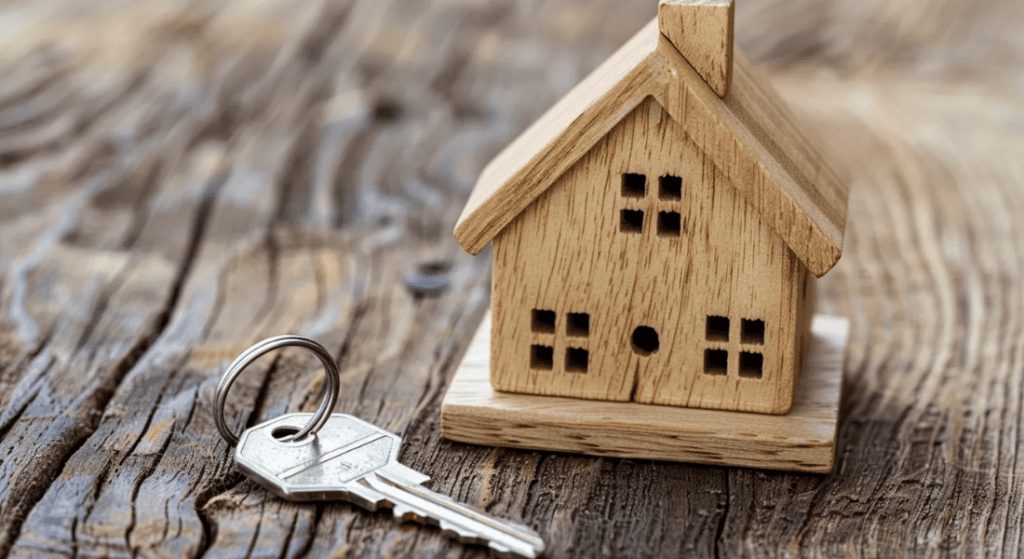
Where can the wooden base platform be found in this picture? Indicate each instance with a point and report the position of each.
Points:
(803, 440)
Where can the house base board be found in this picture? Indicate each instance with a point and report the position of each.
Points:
(803, 440)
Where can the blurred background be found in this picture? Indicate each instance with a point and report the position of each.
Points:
(181, 179)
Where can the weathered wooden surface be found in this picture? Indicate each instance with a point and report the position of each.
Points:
(177, 181)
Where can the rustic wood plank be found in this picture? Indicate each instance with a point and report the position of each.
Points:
(156, 131)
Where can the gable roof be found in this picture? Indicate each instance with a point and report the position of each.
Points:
(749, 135)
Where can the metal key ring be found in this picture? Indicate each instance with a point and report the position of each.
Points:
(323, 413)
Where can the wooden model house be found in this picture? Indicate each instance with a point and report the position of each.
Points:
(656, 231)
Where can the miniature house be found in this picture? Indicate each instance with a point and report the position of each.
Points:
(656, 232)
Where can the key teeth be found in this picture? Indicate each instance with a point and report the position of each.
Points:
(406, 513)
(506, 552)
(455, 532)
(468, 537)
(451, 530)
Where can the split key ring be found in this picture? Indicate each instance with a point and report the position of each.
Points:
(323, 413)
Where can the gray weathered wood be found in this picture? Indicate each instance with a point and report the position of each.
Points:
(178, 181)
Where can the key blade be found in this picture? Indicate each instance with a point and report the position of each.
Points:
(468, 525)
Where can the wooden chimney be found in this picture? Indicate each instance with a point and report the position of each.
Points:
(701, 30)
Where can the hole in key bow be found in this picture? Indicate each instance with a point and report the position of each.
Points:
(284, 432)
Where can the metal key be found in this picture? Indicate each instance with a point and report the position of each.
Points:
(353, 460)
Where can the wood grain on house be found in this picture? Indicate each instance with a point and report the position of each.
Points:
(801, 441)
(645, 238)
(778, 171)
(647, 272)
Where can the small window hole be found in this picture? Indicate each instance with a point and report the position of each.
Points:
(576, 360)
(634, 185)
(671, 188)
(542, 357)
(578, 324)
(645, 340)
(751, 364)
(752, 331)
(668, 224)
(718, 329)
(716, 361)
(631, 221)
(543, 321)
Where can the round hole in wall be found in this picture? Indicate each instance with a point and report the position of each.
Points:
(645, 340)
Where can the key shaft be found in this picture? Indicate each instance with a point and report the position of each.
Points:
(415, 502)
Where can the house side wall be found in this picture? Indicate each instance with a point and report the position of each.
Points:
(567, 253)
(805, 311)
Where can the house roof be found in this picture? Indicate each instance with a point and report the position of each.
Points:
(749, 135)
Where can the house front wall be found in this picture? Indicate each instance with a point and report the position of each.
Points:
(623, 283)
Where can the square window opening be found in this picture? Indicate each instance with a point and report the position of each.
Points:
(576, 360)
(634, 185)
(670, 188)
(717, 329)
(631, 221)
(543, 321)
(668, 224)
(542, 357)
(578, 324)
(751, 364)
(752, 331)
(716, 361)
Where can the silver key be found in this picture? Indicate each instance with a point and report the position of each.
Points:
(353, 460)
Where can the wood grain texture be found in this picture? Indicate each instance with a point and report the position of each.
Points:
(802, 441)
(179, 180)
(750, 137)
(597, 244)
(555, 142)
(702, 31)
